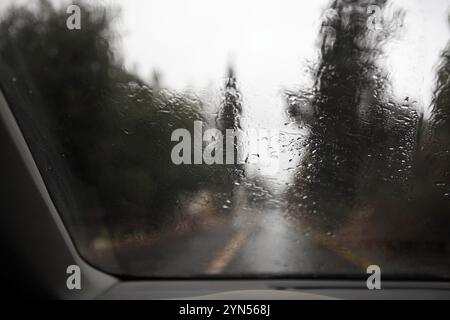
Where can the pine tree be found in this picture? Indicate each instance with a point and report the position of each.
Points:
(229, 116)
(231, 107)
(349, 117)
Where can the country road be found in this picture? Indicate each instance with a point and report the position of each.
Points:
(264, 244)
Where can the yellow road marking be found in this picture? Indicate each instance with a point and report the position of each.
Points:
(336, 248)
(226, 255)
(223, 259)
(341, 251)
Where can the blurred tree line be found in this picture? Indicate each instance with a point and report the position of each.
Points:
(102, 134)
(432, 166)
(366, 150)
(100, 131)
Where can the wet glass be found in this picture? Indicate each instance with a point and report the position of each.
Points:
(240, 138)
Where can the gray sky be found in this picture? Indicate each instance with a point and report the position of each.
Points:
(191, 43)
(269, 42)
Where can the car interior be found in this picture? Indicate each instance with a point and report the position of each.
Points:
(225, 150)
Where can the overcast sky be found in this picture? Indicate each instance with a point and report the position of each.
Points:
(269, 42)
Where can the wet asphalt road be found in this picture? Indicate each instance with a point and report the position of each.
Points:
(258, 244)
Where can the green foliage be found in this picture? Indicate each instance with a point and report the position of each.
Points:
(355, 128)
(441, 100)
(113, 129)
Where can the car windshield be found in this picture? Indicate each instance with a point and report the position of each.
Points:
(239, 138)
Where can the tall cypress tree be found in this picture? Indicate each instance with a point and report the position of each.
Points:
(229, 116)
(351, 108)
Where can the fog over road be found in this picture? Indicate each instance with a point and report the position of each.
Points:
(358, 172)
(252, 244)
